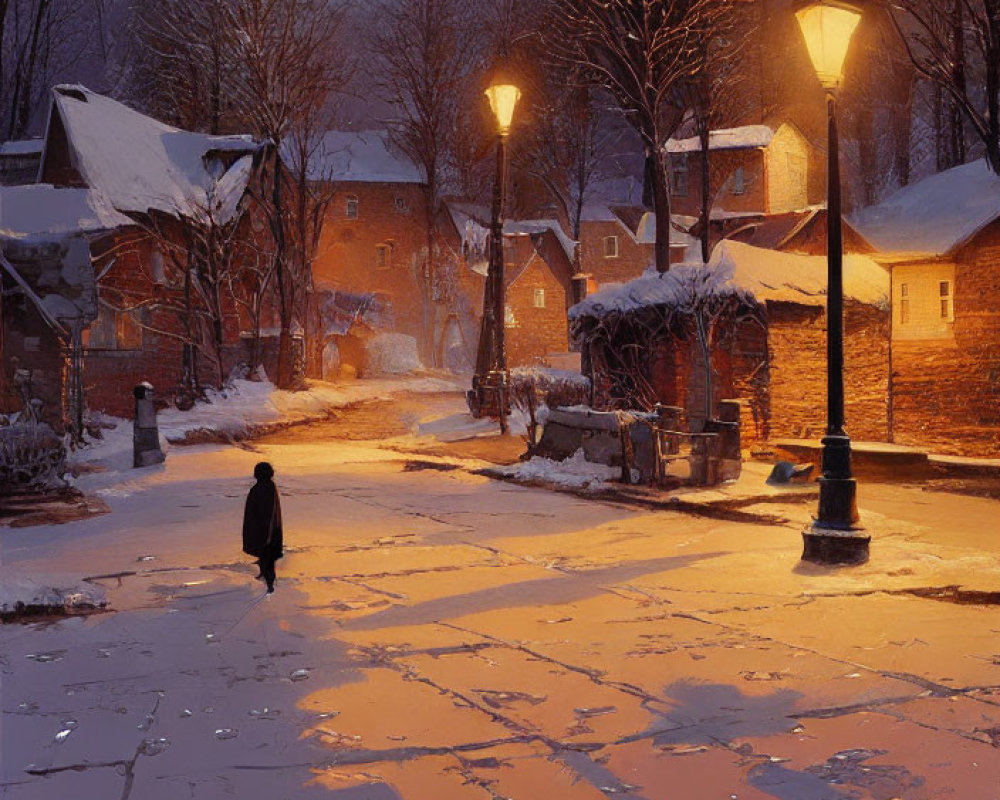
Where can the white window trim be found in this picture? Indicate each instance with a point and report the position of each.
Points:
(616, 251)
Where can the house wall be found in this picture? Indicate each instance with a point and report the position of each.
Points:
(918, 314)
(29, 343)
(631, 261)
(155, 354)
(787, 164)
(798, 371)
(536, 332)
(946, 390)
(347, 258)
(722, 181)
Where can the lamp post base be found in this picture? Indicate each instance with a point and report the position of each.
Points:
(835, 536)
(489, 396)
(835, 547)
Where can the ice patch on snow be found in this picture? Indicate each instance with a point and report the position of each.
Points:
(53, 593)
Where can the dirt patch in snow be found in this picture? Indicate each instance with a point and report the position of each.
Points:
(51, 508)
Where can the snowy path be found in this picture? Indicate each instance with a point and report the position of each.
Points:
(438, 635)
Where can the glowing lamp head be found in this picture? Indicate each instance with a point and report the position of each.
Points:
(503, 97)
(828, 26)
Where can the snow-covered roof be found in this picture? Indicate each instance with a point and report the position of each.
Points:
(22, 147)
(935, 215)
(472, 222)
(762, 274)
(743, 138)
(362, 156)
(42, 212)
(644, 231)
(138, 164)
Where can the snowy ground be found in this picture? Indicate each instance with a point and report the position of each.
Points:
(436, 634)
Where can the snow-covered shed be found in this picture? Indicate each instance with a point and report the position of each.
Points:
(940, 238)
(763, 321)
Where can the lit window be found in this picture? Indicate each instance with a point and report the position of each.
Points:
(904, 304)
(947, 308)
(351, 211)
(383, 256)
(679, 174)
(611, 247)
(739, 181)
(539, 298)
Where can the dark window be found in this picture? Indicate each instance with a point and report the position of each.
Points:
(351, 210)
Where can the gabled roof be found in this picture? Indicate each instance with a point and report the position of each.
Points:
(640, 223)
(782, 231)
(747, 137)
(936, 215)
(137, 164)
(361, 156)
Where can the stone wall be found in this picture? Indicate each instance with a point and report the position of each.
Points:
(798, 370)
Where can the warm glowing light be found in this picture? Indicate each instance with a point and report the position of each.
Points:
(503, 97)
(827, 28)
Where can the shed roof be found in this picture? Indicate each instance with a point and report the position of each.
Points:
(936, 215)
(763, 274)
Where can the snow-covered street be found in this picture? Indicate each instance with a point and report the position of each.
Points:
(436, 634)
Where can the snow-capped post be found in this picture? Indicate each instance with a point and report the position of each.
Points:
(145, 434)
(834, 537)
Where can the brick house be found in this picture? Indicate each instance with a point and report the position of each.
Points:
(754, 171)
(538, 276)
(374, 235)
(134, 189)
(940, 238)
(617, 242)
(773, 359)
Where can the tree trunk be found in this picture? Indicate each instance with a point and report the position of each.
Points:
(661, 207)
(706, 191)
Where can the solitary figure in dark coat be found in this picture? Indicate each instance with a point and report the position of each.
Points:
(262, 537)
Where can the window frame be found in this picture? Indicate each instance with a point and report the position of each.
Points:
(383, 256)
(538, 298)
(352, 206)
(616, 252)
(946, 300)
(680, 173)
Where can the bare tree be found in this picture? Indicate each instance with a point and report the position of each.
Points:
(716, 93)
(956, 46)
(640, 51)
(289, 63)
(39, 41)
(423, 53)
(183, 70)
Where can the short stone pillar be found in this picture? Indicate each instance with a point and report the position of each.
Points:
(727, 426)
(145, 433)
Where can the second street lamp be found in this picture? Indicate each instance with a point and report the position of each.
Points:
(834, 537)
(490, 394)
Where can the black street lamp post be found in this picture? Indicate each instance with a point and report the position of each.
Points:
(490, 393)
(834, 537)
